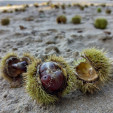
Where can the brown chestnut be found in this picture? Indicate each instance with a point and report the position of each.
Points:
(51, 76)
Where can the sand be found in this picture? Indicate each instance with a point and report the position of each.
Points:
(42, 37)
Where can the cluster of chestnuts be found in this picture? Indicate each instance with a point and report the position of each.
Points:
(49, 80)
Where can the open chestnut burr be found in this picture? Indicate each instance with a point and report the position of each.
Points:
(48, 81)
(92, 70)
(12, 68)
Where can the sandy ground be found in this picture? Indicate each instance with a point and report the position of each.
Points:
(42, 37)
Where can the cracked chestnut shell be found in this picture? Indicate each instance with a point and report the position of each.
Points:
(51, 76)
(15, 67)
(86, 72)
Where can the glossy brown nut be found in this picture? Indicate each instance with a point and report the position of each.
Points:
(51, 76)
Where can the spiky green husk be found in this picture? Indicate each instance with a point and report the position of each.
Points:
(87, 87)
(61, 19)
(81, 7)
(108, 11)
(63, 6)
(101, 23)
(99, 10)
(3, 66)
(7, 56)
(76, 19)
(100, 62)
(5, 21)
(102, 66)
(31, 58)
(34, 87)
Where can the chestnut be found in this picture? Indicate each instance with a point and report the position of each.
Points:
(51, 76)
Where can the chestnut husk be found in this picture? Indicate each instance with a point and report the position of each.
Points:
(7, 71)
(100, 63)
(34, 86)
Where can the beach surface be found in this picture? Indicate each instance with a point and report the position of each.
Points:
(19, 2)
(41, 37)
